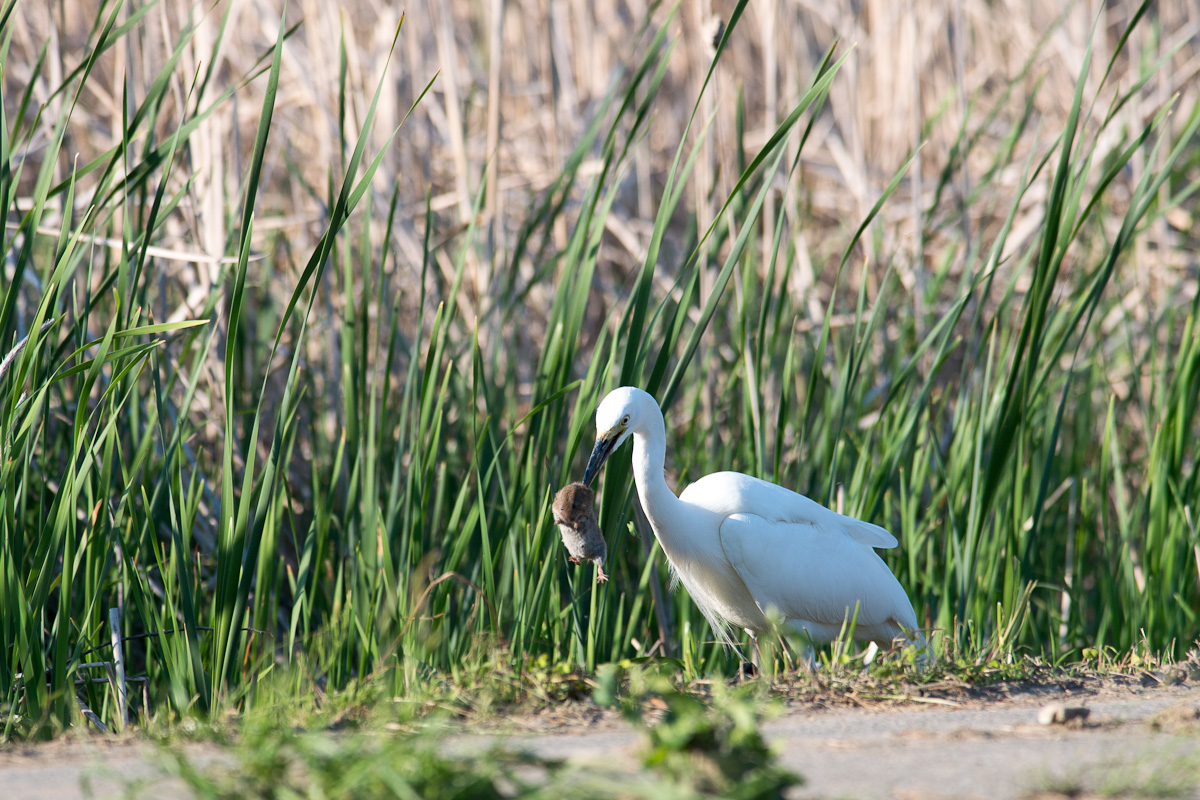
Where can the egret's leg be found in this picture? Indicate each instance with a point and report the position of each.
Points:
(753, 664)
(806, 649)
(926, 657)
(808, 657)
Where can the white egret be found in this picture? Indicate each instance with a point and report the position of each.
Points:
(742, 546)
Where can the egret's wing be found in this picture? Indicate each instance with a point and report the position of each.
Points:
(810, 571)
(735, 493)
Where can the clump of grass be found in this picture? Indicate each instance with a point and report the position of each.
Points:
(708, 747)
(273, 762)
(1164, 774)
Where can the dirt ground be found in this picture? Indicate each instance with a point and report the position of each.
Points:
(1139, 739)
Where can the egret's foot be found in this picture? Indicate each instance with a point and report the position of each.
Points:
(926, 657)
(747, 670)
(808, 660)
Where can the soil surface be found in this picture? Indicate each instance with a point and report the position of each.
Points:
(1140, 738)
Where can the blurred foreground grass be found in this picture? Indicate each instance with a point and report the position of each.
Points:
(305, 314)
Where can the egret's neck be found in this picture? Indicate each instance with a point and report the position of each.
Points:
(649, 461)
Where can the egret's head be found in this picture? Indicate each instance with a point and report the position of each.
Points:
(619, 415)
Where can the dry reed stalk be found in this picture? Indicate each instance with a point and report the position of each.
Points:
(519, 80)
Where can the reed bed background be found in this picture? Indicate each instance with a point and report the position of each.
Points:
(306, 312)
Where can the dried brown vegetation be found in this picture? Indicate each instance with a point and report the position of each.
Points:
(518, 81)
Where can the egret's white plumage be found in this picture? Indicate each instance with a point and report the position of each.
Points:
(742, 546)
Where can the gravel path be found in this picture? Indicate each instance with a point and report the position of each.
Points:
(1135, 743)
(994, 753)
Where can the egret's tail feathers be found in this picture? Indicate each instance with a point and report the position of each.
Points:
(868, 533)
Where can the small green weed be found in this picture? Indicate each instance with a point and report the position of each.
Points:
(1171, 773)
(271, 761)
(701, 746)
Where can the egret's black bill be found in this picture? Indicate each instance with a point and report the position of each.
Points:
(600, 453)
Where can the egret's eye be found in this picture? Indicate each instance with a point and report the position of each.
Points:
(625, 420)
